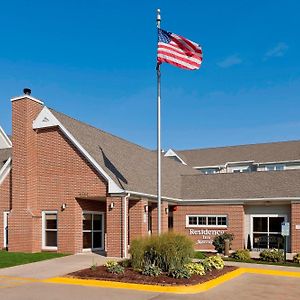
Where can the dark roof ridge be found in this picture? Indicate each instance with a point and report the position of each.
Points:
(235, 146)
(105, 132)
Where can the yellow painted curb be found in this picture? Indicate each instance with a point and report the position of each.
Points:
(198, 288)
(271, 272)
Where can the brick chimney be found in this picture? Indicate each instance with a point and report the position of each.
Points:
(24, 221)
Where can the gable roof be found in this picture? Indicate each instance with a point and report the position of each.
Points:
(268, 152)
(5, 154)
(132, 167)
(271, 184)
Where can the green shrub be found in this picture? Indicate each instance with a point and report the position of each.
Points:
(296, 258)
(219, 241)
(272, 255)
(137, 252)
(199, 255)
(180, 273)
(168, 251)
(213, 262)
(195, 268)
(152, 270)
(126, 263)
(114, 267)
(242, 254)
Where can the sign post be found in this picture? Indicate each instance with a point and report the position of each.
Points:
(285, 231)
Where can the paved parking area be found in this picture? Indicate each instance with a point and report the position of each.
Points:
(26, 282)
(246, 286)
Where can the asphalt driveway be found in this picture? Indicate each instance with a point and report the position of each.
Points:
(26, 283)
(247, 286)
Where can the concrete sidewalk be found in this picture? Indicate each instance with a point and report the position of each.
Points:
(55, 267)
(262, 266)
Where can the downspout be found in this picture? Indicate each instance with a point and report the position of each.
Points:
(125, 227)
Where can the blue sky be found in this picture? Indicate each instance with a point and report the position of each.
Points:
(95, 60)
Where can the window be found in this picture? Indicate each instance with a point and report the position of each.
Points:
(275, 167)
(206, 221)
(209, 170)
(50, 230)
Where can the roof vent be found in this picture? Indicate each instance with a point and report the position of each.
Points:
(27, 91)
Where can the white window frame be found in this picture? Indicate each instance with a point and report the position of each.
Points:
(207, 216)
(102, 231)
(5, 224)
(44, 213)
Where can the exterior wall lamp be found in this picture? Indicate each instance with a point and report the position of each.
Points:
(167, 210)
(111, 205)
(63, 206)
(145, 208)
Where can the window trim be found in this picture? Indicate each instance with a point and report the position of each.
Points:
(44, 213)
(206, 216)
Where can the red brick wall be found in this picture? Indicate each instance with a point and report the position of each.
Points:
(164, 217)
(235, 218)
(295, 233)
(5, 203)
(22, 228)
(63, 175)
(138, 219)
(47, 172)
(114, 225)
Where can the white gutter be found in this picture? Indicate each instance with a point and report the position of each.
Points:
(215, 200)
(125, 239)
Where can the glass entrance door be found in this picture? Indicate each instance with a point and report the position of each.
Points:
(266, 232)
(93, 231)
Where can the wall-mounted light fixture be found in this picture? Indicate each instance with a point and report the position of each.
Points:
(111, 205)
(145, 208)
(63, 206)
(167, 210)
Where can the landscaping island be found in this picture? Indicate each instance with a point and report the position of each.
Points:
(132, 276)
(165, 260)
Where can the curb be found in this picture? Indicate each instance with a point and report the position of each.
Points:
(192, 289)
(198, 288)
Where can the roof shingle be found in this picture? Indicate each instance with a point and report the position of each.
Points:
(268, 152)
(131, 166)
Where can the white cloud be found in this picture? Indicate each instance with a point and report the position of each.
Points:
(230, 61)
(277, 51)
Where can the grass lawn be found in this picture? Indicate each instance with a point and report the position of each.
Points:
(256, 261)
(9, 259)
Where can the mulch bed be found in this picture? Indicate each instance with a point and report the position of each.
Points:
(131, 276)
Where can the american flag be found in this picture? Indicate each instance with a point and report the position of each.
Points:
(178, 51)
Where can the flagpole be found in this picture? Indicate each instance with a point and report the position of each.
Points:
(158, 19)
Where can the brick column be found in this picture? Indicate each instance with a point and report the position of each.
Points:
(295, 233)
(164, 217)
(24, 223)
(114, 227)
(138, 219)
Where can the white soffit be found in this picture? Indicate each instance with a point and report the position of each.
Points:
(47, 119)
(5, 142)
